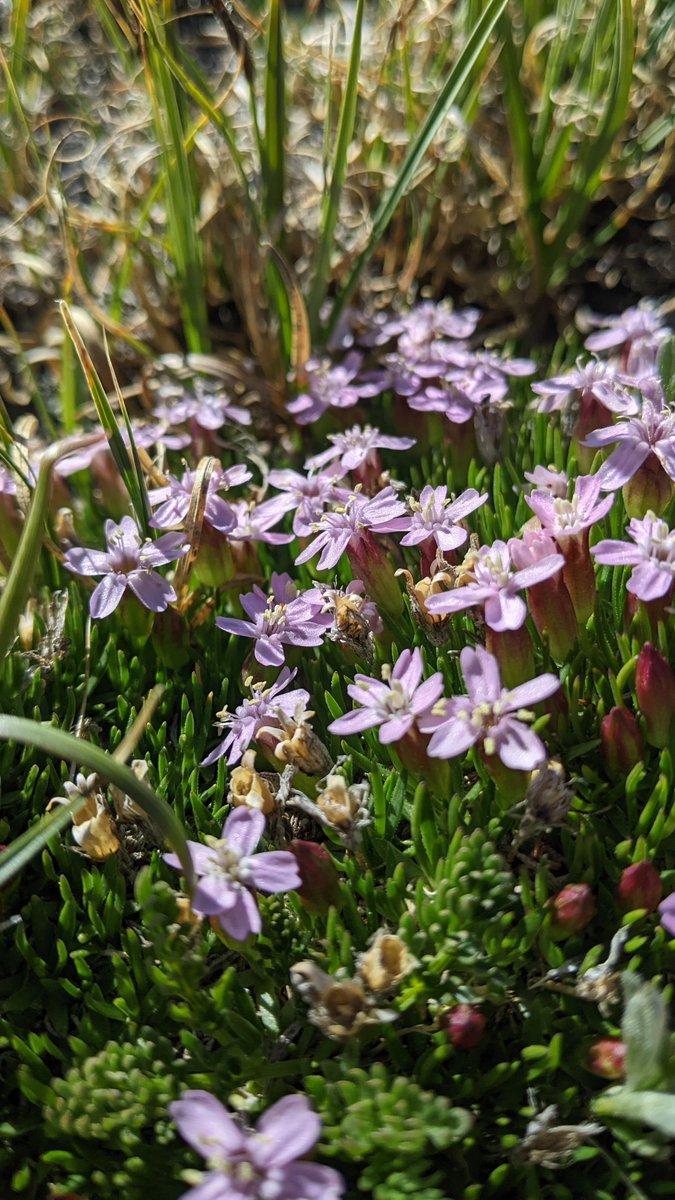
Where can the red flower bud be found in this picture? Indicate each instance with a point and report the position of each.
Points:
(320, 881)
(655, 687)
(572, 909)
(621, 742)
(640, 887)
(465, 1026)
(607, 1058)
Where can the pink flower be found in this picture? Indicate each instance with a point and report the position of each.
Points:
(127, 563)
(588, 382)
(281, 618)
(332, 385)
(206, 405)
(653, 432)
(395, 704)
(569, 519)
(434, 516)
(249, 1164)
(486, 715)
(356, 447)
(549, 479)
(228, 873)
(307, 496)
(637, 334)
(174, 499)
(495, 585)
(265, 709)
(338, 530)
(254, 521)
(652, 555)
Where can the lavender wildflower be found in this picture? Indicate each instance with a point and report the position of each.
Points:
(436, 517)
(549, 479)
(247, 1164)
(281, 618)
(349, 523)
(651, 435)
(358, 447)
(308, 495)
(210, 409)
(393, 705)
(254, 521)
(174, 499)
(494, 584)
(592, 383)
(637, 334)
(127, 563)
(332, 385)
(262, 710)
(652, 556)
(228, 872)
(568, 521)
(489, 714)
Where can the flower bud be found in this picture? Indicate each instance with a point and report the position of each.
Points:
(572, 909)
(655, 687)
(465, 1026)
(640, 887)
(514, 652)
(606, 1058)
(320, 888)
(621, 742)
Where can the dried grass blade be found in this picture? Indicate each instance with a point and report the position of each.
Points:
(194, 523)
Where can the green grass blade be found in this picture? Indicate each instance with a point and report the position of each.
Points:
(181, 200)
(17, 587)
(333, 193)
(60, 744)
(19, 853)
(275, 120)
(459, 75)
(128, 466)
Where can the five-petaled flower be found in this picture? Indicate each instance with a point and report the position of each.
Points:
(489, 714)
(174, 499)
(652, 556)
(653, 432)
(357, 446)
(127, 563)
(331, 385)
(281, 618)
(637, 334)
(435, 516)
(494, 584)
(569, 519)
(266, 708)
(395, 703)
(264, 1163)
(337, 530)
(229, 871)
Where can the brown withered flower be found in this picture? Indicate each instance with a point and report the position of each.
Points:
(355, 617)
(386, 962)
(344, 807)
(299, 746)
(443, 578)
(339, 1008)
(250, 789)
(547, 802)
(127, 811)
(93, 827)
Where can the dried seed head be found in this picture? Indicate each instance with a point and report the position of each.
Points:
(343, 807)
(547, 1144)
(300, 747)
(127, 811)
(385, 963)
(547, 802)
(248, 788)
(339, 1008)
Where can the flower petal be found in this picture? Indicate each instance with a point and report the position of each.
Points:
(289, 1129)
(243, 919)
(622, 465)
(311, 1181)
(482, 675)
(517, 746)
(533, 691)
(86, 562)
(107, 595)
(275, 871)
(152, 591)
(206, 1125)
(243, 830)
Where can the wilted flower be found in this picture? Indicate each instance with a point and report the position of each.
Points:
(229, 872)
(344, 807)
(331, 385)
(492, 584)
(248, 788)
(340, 1008)
(281, 618)
(443, 577)
(385, 963)
(93, 827)
(489, 714)
(264, 708)
(355, 616)
(249, 1164)
(547, 802)
(127, 563)
(297, 745)
(393, 705)
(356, 447)
(652, 556)
(175, 496)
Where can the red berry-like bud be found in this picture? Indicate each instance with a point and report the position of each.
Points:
(320, 881)
(621, 742)
(655, 687)
(640, 887)
(572, 909)
(465, 1025)
(607, 1058)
